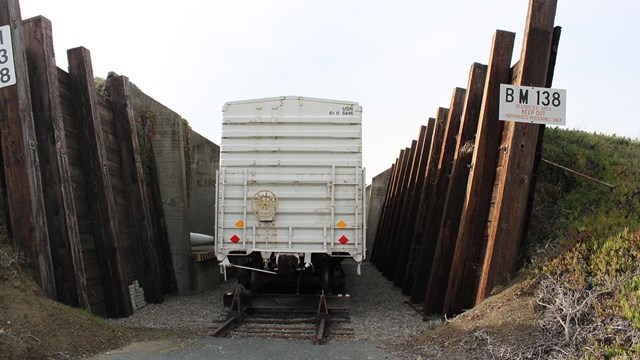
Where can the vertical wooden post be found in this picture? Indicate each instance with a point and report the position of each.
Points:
(411, 208)
(456, 191)
(133, 179)
(407, 280)
(438, 193)
(394, 249)
(390, 210)
(519, 142)
(467, 254)
(398, 194)
(99, 192)
(538, 159)
(417, 238)
(20, 160)
(59, 204)
(381, 236)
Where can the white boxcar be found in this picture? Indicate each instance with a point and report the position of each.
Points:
(291, 183)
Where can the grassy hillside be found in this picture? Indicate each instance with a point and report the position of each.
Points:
(578, 294)
(569, 208)
(584, 243)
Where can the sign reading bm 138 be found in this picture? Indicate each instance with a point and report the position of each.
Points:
(533, 105)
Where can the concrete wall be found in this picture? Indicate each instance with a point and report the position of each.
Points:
(205, 157)
(168, 145)
(186, 163)
(375, 192)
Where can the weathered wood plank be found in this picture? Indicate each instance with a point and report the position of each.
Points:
(98, 183)
(538, 158)
(407, 281)
(467, 256)
(133, 179)
(389, 209)
(52, 148)
(455, 195)
(435, 150)
(438, 193)
(382, 237)
(394, 249)
(24, 193)
(416, 181)
(507, 228)
(398, 194)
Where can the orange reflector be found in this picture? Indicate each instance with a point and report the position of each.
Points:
(234, 239)
(343, 240)
(341, 224)
(239, 224)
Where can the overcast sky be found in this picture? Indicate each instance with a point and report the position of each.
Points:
(400, 60)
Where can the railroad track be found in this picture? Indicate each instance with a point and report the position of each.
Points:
(292, 325)
(312, 317)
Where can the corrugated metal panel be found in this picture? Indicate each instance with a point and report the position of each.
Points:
(308, 152)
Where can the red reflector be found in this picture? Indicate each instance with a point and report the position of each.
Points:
(234, 239)
(343, 240)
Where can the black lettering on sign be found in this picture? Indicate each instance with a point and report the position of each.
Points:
(556, 99)
(4, 75)
(548, 98)
(524, 96)
(1, 38)
(3, 56)
(509, 95)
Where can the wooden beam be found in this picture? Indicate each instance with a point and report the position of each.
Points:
(99, 192)
(416, 181)
(401, 212)
(435, 151)
(133, 178)
(447, 231)
(20, 159)
(52, 146)
(467, 255)
(395, 205)
(519, 143)
(438, 193)
(538, 158)
(381, 236)
(407, 281)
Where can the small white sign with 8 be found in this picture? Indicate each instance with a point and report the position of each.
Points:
(7, 69)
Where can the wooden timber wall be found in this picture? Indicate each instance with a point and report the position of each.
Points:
(458, 199)
(79, 208)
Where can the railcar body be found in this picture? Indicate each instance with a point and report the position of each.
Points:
(290, 189)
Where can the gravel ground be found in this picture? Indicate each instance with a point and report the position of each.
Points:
(379, 315)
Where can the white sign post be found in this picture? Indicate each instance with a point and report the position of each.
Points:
(533, 105)
(7, 69)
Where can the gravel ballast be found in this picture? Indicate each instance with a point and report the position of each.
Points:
(379, 315)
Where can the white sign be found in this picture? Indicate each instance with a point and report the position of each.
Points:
(7, 69)
(533, 105)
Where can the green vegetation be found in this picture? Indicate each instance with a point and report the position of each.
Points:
(100, 85)
(584, 242)
(572, 208)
